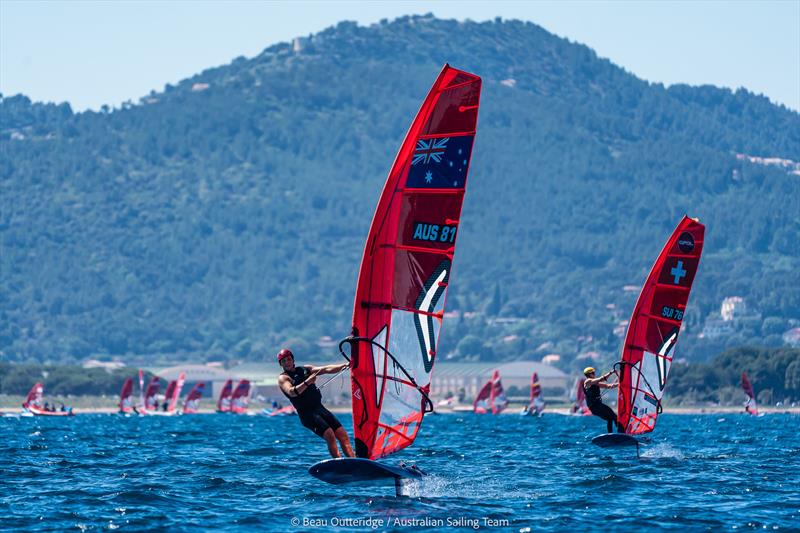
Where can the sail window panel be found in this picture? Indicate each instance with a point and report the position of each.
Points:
(412, 338)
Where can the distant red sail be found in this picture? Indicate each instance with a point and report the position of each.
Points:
(536, 402)
(750, 406)
(125, 403)
(141, 390)
(224, 401)
(170, 390)
(34, 397)
(654, 327)
(192, 403)
(240, 397)
(481, 404)
(580, 407)
(491, 398)
(174, 395)
(150, 400)
(498, 398)
(405, 269)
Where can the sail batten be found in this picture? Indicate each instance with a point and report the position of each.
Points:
(406, 267)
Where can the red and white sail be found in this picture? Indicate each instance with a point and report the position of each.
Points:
(126, 397)
(750, 405)
(536, 402)
(578, 398)
(151, 394)
(654, 327)
(240, 397)
(406, 268)
(491, 398)
(224, 401)
(141, 392)
(481, 405)
(192, 403)
(172, 399)
(35, 397)
(169, 393)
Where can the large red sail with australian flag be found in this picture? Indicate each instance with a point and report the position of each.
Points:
(405, 269)
(654, 328)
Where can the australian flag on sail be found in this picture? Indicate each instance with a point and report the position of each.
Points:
(440, 163)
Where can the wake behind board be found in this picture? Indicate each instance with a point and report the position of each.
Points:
(361, 471)
(611, 440)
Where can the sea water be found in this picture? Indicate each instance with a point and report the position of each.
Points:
(486, 473)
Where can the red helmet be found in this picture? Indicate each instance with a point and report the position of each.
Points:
(283, 354)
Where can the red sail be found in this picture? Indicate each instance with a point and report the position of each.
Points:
(224, 401)
(170, 390)
(141, 390)
(536, 388)
(405, 269)
(580, 407)
(172, 399)
(125, 403)
(654, 328)
(481, 404)
(498, 398)
(150, 400)
(192, 403)
(491, 398)
(536, 403)
(240, 397)
(35, 396)
(750, 406)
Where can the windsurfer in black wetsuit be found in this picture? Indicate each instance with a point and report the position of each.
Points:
(298, 384)
(594, 401)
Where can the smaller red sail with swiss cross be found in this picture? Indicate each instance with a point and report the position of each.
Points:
(654, 328)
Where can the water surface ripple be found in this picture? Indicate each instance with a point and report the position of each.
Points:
(503, 473)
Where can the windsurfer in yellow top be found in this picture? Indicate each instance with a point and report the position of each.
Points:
(298, 384)
(594, 401)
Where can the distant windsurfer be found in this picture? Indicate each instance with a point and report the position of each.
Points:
(298, 384)
(594, 401)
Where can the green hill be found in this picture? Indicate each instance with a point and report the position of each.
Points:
(225, 216)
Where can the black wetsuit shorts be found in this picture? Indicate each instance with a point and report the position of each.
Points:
(607, 414)
(319, 420)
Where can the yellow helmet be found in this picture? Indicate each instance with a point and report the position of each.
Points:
(588, 370)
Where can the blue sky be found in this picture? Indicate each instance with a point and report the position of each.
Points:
(98, 52)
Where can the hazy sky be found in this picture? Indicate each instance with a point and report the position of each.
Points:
(98, 52)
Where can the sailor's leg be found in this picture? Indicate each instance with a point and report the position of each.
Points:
(344, 440)
(340, 433)
(330, 440)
